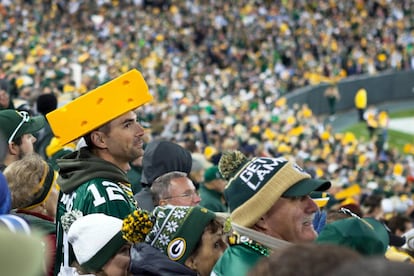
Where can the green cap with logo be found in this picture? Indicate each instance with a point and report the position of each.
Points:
(15, 124)
(178, 230)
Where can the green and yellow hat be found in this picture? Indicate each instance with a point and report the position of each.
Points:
(255, 185)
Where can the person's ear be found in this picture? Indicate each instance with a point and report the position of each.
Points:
(98, 139)
(13, 148)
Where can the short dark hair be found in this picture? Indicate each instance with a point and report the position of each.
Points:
(106, 128)
(398, 222)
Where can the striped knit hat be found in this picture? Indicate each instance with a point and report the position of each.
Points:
(255, 185)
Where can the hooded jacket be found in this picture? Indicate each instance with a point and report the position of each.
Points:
(148, 260)
(81, 166)
(160, 157)
(91, 185)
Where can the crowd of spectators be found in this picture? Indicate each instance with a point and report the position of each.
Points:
(201, 50)
(219, 70)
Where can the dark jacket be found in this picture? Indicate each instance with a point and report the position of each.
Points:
(149, 261)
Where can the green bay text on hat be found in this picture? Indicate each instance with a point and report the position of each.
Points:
(178, 230)
(15, 124)
(255, 185)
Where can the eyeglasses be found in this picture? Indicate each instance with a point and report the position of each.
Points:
(191, 194)
(25, 119)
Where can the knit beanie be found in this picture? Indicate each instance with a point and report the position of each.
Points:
(255, 185)
(178, 230)
(161, 157)
(96, 238)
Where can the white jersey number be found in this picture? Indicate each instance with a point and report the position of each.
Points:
(113, 191)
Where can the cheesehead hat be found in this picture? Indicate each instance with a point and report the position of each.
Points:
(99, 106)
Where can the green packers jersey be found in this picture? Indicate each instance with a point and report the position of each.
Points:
(95, 196)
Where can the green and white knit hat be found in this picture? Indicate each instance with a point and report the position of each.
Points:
(96, 238)
(178, 230)
(255, 185)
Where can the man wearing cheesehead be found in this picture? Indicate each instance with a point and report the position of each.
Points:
(93, 179)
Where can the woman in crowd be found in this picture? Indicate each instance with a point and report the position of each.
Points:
(34, 193)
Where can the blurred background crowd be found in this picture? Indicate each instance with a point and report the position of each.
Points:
(219, 71)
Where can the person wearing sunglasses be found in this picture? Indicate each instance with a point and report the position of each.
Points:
(17, 134)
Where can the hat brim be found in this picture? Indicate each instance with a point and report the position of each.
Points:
(34, 125)
(306, 186)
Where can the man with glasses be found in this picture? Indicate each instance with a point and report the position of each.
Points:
(174, 188)
(17, 134)
(160, 157)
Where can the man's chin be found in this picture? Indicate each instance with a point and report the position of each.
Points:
(309, 235)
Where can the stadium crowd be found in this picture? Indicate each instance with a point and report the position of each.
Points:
(218, 72)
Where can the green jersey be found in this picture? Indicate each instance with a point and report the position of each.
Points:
(96, 196)
(82, 189)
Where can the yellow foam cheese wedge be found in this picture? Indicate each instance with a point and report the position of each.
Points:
(99, 106)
